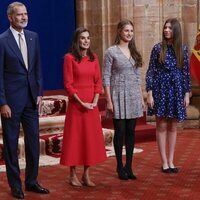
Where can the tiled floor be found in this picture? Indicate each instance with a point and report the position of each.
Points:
(150, 185)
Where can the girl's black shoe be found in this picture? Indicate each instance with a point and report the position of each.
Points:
(122, 174)
(129, 173)
(167, 170)
(173, 170)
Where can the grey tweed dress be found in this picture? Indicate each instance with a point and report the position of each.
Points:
(124, 79)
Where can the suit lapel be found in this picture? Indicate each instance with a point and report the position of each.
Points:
(13, 45)
(30, 50)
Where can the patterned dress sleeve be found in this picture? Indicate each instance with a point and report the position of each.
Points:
(68, 75)
(97, 77)
(138, 76)
(152, 67)
(108, 60)
(186, 71)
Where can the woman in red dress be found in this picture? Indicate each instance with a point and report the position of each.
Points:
(83, 142)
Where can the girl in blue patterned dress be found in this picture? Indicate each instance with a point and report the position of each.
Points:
(168, 87)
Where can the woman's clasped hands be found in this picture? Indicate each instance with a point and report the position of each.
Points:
(89, 106)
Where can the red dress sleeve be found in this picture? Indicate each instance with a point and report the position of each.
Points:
(97, 77)
(68, 75)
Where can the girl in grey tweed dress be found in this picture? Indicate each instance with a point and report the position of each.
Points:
(122, 84)
(123, 77)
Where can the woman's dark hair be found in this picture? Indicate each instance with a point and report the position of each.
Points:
(176, 42)
(75, 47)
(132, 47)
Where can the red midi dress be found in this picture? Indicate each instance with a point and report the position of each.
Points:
(83, 142)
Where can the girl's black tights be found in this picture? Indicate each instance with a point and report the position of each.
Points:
(124, 134)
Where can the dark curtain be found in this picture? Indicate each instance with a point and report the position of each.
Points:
(54, 21)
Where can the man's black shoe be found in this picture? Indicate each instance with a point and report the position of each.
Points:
(17, 193)
(37, 189)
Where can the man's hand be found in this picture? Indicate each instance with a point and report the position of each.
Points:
(5, 111)
(39, 103)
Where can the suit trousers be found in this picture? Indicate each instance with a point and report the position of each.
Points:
(27, 115)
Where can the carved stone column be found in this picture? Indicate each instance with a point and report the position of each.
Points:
(101, 18)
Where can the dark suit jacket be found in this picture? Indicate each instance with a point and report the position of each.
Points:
(15, 79)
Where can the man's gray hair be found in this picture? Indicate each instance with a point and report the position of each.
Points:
(10, 9)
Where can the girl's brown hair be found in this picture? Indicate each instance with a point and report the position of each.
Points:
(132, 47)
(176, 42)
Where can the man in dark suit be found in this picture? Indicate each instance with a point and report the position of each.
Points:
(20, 98)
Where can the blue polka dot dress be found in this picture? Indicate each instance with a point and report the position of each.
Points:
(168, 84)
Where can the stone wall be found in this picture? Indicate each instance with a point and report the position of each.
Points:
(102, 16)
